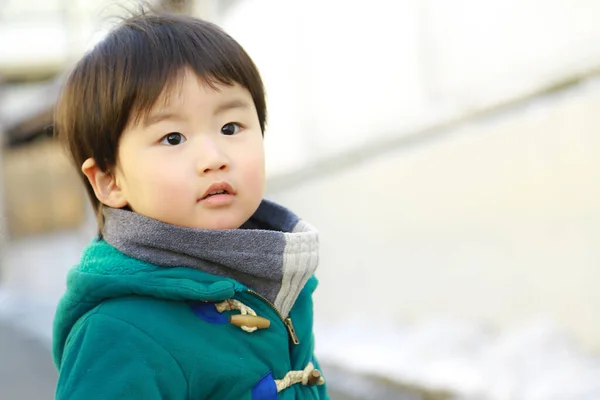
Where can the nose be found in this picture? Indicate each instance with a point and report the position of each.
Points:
(211, 158)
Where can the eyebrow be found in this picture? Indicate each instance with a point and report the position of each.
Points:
(232, 104)
(221, 108)
(161, 116)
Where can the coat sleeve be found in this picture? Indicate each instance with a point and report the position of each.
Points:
(108, 358)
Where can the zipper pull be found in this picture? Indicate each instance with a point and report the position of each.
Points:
(290, 327)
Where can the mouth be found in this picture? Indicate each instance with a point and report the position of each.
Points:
(218, 189)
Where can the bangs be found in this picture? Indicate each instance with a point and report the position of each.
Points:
(154, 52)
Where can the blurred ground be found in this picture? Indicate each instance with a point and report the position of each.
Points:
(26, 368)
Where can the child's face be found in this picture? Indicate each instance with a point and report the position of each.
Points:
(200, 141)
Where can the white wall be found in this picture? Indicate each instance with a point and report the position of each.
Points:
(498, 223)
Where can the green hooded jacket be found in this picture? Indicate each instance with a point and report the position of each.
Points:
(129, 329)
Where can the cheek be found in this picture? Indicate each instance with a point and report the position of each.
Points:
(253, 153)
(254, 172)
(252, 158)
(160, 179)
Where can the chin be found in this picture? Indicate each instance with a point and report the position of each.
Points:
(222, 224)
(221, 227)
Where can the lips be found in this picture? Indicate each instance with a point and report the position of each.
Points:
(221, 188)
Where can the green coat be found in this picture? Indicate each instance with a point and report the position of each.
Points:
(126, 329)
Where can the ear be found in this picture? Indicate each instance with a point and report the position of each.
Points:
(104, 184)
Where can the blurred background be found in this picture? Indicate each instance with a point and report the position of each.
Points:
(448, 151)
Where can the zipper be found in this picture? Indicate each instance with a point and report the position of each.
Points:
(286, 321)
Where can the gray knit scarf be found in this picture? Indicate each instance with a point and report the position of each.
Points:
(274, 253)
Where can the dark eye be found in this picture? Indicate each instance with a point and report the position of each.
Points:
(231, 128)
(173, 139)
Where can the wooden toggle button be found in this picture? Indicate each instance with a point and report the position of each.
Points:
(251, 321)
(314, 378)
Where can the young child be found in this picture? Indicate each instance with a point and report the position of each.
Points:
(196, 287)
